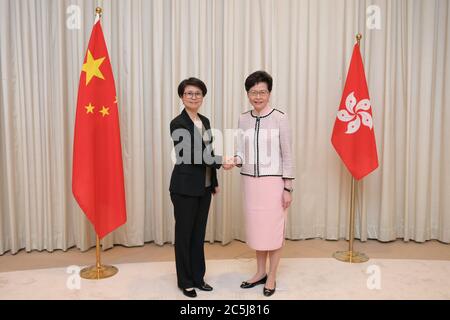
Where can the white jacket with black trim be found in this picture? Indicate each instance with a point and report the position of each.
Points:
(264, 145)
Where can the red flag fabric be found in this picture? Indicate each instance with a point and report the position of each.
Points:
(353, 133)
(97, 176)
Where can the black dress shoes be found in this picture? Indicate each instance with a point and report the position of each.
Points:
(205, 287)
(189, 293)
(268, 292)
(246, 285)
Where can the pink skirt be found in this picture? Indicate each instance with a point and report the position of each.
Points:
(265, 217)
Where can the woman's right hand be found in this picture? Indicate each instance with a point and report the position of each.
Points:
(229, 163)
(286, 199)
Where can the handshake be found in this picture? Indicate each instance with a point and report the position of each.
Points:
(230, 163)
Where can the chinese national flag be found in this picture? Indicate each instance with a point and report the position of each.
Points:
(97, 177)
(353, 134)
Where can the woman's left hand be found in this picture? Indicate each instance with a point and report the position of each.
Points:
(287, 199)
(216, 190)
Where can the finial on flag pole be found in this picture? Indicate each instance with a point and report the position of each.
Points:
(98, 14)
(358, 37)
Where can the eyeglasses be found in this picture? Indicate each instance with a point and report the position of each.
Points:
(262, 93)
(191, 95)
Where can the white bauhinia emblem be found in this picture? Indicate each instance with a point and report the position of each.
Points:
(354, 116)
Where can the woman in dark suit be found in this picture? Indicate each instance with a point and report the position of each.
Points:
(193, 181)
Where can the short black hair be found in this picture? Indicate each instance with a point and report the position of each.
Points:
(191, 82)
(257, 77)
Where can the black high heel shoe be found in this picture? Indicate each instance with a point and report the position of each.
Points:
(268, 292)
(246, 285)
(205, 287)
(189, 293)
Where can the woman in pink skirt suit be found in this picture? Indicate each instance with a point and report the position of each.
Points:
(265, 156)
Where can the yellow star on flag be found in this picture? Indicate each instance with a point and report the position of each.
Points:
(104, 111)
(90, 108)
(92, 67)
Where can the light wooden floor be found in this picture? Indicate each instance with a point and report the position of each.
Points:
(313, 248)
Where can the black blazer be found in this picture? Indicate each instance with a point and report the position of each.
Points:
(189, 178)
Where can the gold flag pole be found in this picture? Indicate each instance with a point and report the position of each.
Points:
(98, 271)
(350, 256)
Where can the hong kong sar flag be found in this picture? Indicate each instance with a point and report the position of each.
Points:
(353, 133)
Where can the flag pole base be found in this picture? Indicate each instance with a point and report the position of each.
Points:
(96, 273)
(350, 256)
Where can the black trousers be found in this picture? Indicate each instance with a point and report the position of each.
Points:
(191, 215)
